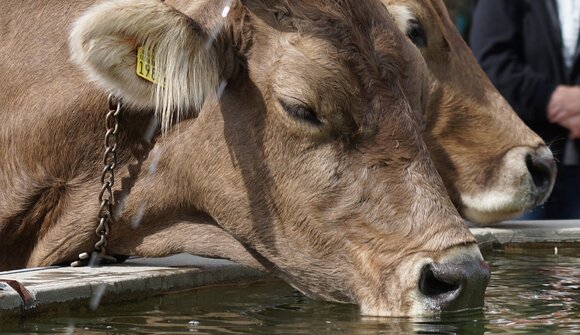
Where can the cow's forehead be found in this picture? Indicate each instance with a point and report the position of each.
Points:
(350, 14)
(356, 15)
(363, 32)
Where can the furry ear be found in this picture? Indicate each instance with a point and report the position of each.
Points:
(105, 40)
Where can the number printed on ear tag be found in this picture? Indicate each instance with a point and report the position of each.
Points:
(146, 66)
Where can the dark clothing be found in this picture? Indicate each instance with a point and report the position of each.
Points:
(519, 45)
(563, 203)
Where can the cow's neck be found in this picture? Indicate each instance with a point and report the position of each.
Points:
(160, 192)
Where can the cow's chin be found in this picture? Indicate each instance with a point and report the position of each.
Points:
(488, 208)
(489, 218)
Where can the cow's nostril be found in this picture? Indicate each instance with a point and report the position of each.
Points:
(541, 171)
(457, 281)
(431, 284)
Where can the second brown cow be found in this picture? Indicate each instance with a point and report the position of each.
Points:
(493, 166)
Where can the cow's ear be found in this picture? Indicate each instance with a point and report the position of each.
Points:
(149, 54)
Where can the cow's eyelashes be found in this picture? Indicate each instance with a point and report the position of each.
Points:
(301, 112)
(416, 34)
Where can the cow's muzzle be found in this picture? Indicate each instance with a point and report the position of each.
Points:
(453, 284)
(523, 180)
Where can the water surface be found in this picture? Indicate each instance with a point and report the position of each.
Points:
(531, 291)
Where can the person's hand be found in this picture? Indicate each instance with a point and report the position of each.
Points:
(564, 103)
(573, 125)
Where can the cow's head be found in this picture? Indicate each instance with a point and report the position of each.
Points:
(307, 144)
(494, 167)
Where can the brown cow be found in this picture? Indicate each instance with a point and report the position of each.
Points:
(493, 166)
(310, 157)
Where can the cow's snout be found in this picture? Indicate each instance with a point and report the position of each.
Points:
(454, 286)
(542, 172)
(454, 280)
(523, 179)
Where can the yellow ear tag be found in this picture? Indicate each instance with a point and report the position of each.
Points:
(146, 66)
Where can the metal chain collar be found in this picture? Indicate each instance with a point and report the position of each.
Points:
(106, 200)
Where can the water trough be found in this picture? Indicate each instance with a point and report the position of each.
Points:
(41, 289)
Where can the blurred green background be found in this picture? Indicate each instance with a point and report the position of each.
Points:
(460, 12)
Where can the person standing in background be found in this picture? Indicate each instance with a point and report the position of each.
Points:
(529, 49)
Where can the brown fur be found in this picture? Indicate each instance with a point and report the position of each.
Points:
(348, 211)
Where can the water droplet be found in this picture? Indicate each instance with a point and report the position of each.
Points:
(70, 329)
(155, 157)
(120, 208)
(219, 26)
(97, 296)
(221, 88)
(136, 222)
(94, 261)
(226, 11)
(151, 129)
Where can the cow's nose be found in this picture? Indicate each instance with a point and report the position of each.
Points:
(542, 169)
(454, 286)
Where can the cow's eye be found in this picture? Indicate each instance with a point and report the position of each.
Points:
(301, 112)
(416, 34)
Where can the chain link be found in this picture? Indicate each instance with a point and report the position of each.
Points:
(106, 200)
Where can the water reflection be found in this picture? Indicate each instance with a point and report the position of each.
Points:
(535, 292)
(528, 293)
